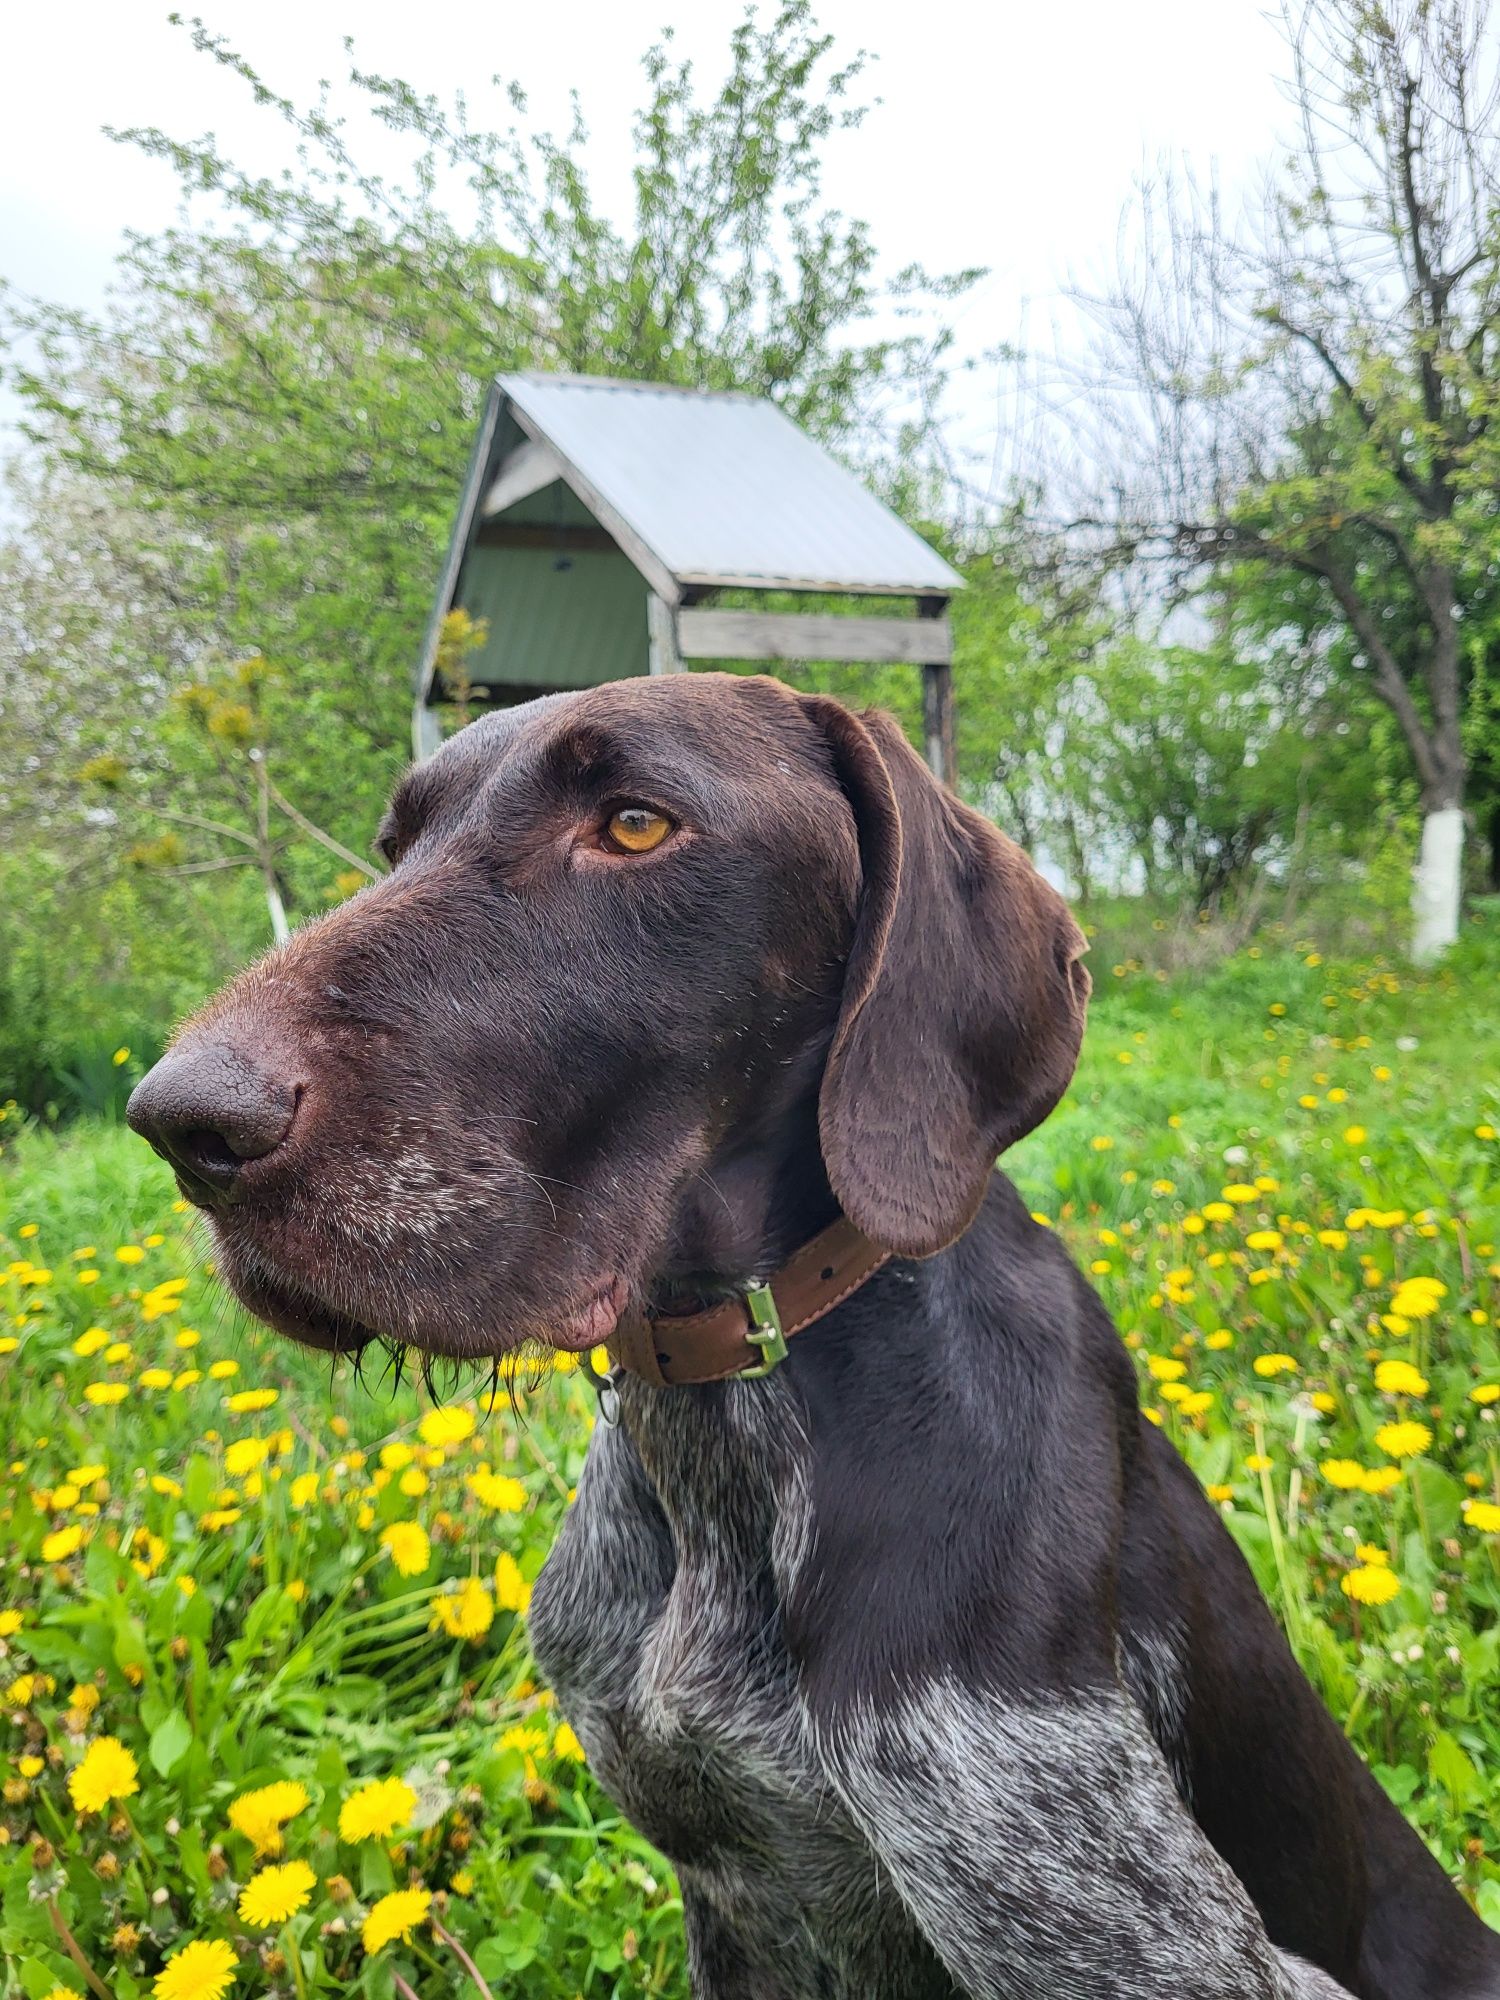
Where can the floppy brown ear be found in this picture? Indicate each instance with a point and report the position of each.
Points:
(963, 1004)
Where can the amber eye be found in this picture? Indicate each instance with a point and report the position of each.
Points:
(637, 829)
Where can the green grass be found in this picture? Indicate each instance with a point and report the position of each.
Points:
(233, 1607)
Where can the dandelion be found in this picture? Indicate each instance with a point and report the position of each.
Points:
(246, 1401)
(91, 1341)
(1219, 1339)
(304, 1489)
(103, 1394)
(1354, 1135)
(446, 1426)
(276, 1894)
(1165, 1368)
(1271, 1365)
(1403, 1440)
(244, 1455)
(1381, 1478)
(1483, 1516)
(62, 1543)
(466, 1613)
(108, 1771)
(130, 1253)
(566, 1745)
(261, 1815)
(155, 1378)
(11, 1623)
(497, 1490)
(202, 1970)
(512, 1591)
(395, 1916)
(1371, 1583)
(1485, 1393)
(408, 1545)
(1399, 1378)
(377, 1810)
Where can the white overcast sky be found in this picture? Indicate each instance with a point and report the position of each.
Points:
(1008, 134)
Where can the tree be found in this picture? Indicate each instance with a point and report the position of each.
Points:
(1324, 399)
(252, 454)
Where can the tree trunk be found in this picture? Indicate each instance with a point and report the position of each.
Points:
(1437, 883)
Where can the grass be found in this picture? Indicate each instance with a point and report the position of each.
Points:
(1285, 1177)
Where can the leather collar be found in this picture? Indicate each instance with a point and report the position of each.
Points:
(747, 1334)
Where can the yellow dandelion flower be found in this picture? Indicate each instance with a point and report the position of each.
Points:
(261, 1815)
(168, 1488)
(1271, 1365)
(11, 1623)
(130, 1253)
(155, 1378)
(413, 1482)
(1367, 1552)
(1258, 1461)
(202, 1970)
(1217, 1211)
(1399, 1378)
(512, 1591)
(1483, 1516)
(497, 1490)
(221, 1371)
(446, 1426)
(1371, 1583)
(466, 1613)
(91, 1341)
(566, 1745)
(62, 1543)
(377, 1810)
(103, 1394)
(244, 1401)
(108, 1771)
(1486, 1392)
(408, 1545)
(1403, 1440)
(85, 1698)
(276, 1894)
(1345, 1473)
(244, 1455)
(1219, 1339)
(395, 1916)
(1165, 1367)
(1381, 1478)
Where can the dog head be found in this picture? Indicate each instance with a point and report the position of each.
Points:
(662, 970)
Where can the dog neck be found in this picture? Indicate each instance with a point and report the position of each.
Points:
(760, 1197)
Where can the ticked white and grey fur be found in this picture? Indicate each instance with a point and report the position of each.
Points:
(929, 1842)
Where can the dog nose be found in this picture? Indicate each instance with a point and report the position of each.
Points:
(207, 1108)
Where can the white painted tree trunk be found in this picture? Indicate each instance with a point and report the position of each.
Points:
(281, 930)
(1437, 882)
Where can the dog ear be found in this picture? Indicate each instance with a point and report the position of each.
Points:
(963, 1004)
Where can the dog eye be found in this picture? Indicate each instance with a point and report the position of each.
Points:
(637, 829)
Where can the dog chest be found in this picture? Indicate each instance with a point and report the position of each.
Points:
(661, 1635)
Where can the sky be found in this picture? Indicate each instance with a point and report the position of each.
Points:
(1007, 135)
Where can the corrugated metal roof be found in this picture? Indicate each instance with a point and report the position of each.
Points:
(722, 489)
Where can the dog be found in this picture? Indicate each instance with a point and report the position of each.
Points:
(691, 1019)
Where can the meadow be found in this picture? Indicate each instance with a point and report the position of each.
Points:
(267, 1718)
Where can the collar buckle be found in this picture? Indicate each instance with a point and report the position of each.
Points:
(765, 1333)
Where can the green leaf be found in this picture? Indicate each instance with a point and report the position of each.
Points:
(170, 1741)
(1453, 1768)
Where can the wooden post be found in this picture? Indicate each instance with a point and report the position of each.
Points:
(937, 722)
(661, 624)
(426, 731)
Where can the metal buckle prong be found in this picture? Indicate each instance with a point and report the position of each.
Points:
(765, 1333)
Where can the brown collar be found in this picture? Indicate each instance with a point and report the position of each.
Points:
(747, 1336)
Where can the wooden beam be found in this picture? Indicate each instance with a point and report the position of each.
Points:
(525, 471)
(937, 722)
(661, 626)
(775, 635)
(537, 535)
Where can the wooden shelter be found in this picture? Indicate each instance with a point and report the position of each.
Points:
(602, 524)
